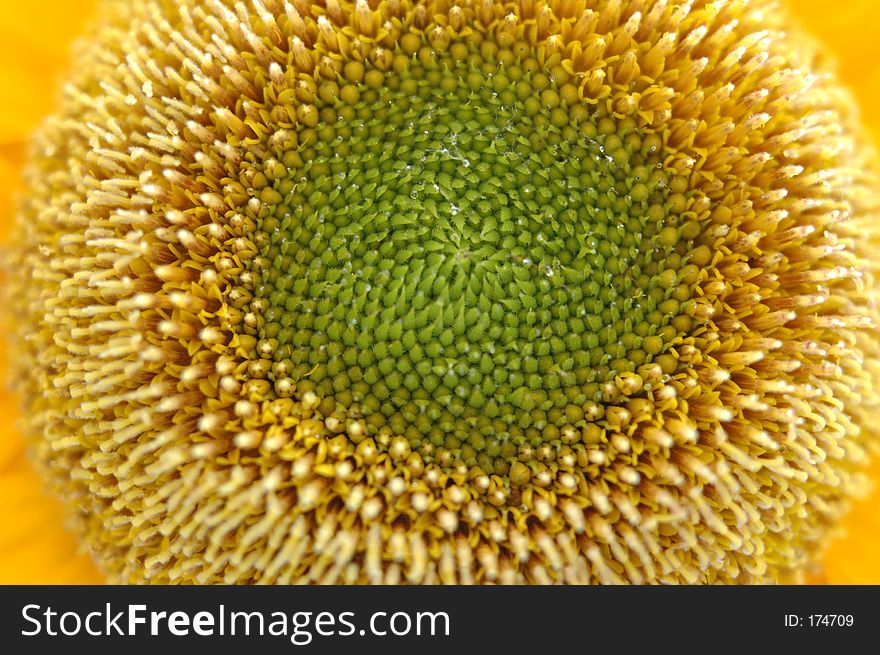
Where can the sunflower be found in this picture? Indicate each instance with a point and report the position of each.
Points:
(488, 447)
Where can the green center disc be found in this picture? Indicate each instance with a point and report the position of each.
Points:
(465, 252)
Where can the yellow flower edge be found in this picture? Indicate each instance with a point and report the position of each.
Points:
(35, 545)
(610, 575)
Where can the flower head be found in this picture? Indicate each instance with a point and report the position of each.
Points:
(415, 292)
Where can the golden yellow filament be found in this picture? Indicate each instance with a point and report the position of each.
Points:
(392, 291)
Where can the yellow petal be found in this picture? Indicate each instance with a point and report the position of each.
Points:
(855, 557)
(34, 546)
(35, 39)
(849, 31)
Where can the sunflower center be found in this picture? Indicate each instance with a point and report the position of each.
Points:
(460, 251)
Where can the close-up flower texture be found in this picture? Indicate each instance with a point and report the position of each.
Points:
(453, 291)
